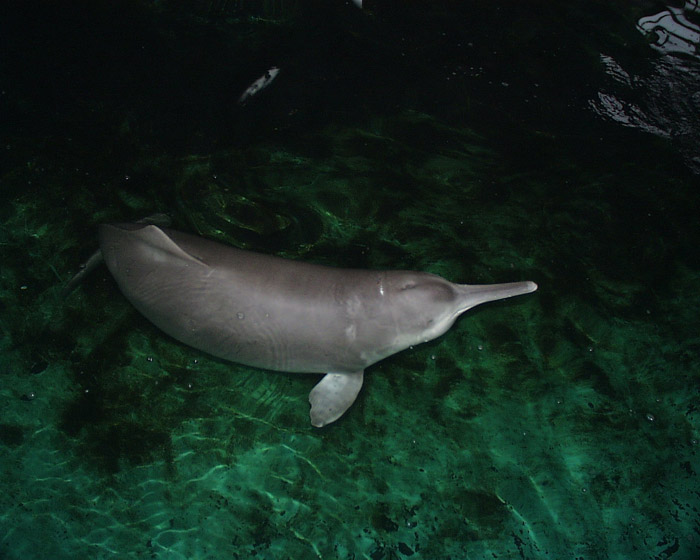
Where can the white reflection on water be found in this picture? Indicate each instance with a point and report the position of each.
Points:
(667, 99)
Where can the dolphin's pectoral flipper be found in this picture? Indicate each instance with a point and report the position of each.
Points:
(333, 395)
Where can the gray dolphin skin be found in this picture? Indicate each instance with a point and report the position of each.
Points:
(279, 314)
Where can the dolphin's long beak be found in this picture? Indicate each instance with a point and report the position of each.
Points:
(476, 294)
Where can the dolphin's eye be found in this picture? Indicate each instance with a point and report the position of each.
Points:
(408, 285)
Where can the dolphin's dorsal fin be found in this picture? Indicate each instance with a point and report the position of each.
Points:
(159, 242)
(333, 395)
(96, 258)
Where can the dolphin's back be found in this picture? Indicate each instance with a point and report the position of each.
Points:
(255, 309)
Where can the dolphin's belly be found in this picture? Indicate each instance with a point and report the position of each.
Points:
(259, 324)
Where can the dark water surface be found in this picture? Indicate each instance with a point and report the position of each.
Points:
(482, 141)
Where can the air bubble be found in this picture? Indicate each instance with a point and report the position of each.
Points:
(240, 315)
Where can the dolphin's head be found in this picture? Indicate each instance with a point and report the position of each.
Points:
(424, 305)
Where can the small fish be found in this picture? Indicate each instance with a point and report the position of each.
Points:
(258, 85)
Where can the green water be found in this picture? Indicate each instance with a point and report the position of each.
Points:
(468, 140)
